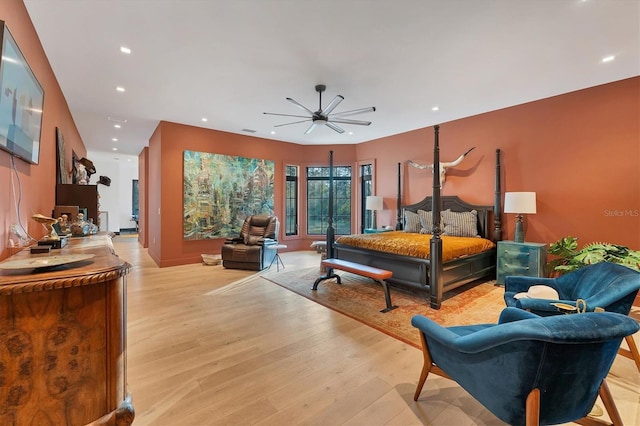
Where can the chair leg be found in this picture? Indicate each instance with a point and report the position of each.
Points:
(426, 367)
(632, 352)
(533, 408)
(609, 404)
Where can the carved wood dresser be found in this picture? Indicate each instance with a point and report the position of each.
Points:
(63, 336)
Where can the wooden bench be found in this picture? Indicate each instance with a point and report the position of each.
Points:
(378, 275)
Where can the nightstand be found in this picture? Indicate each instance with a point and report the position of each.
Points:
(376, 230)
(524, 259)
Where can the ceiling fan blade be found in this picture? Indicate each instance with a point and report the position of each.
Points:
(299, 105)
(310, 129)
(334, 127)
(294, 122)
(285, 115)
(354, 111)
(346, 121)
(333, 104)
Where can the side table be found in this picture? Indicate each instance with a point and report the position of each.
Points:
(276, 259)
(524, 259)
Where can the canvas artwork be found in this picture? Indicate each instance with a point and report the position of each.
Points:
(220, 191)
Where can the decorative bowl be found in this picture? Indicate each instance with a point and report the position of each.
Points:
(211, 259)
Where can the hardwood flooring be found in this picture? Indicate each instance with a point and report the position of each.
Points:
(209, 346)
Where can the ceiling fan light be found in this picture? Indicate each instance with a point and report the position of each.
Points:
(320, 121)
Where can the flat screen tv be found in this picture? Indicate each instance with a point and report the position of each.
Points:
(21, 101)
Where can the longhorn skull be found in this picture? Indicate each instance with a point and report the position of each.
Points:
(443, 166)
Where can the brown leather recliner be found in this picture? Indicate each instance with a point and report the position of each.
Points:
(250, 250)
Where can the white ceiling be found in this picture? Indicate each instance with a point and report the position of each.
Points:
(230, 61)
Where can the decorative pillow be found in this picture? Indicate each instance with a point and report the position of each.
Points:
(426, 222)
(411, 222)
(460, 224)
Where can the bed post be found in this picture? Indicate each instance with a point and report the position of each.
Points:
(331, 235)
(497, 203)
(399, 203)
(435, 256)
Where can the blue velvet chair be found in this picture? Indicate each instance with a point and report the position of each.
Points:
(527, 369)
(605, 285)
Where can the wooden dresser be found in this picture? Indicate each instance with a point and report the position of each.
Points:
(63, 338)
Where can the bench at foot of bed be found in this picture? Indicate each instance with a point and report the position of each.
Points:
(378, 275)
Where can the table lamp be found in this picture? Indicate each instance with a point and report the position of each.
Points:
(373, 203)
(519, 203)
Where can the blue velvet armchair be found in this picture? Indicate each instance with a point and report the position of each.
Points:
(529, 369)
(605, 285)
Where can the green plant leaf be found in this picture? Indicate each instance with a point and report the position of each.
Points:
(569, 258)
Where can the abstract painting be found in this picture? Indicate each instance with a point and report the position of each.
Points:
(220, 191)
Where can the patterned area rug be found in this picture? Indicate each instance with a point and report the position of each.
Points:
(362, 299)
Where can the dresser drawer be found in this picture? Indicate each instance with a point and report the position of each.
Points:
(524, 259)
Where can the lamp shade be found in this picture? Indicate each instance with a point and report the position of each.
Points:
(520, 202)
(373, 202)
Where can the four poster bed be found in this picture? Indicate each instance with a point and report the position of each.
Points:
(436, 260)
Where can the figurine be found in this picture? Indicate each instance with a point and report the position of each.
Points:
(47, 222)
(81, 174)
(63, 224)
(80, 227)
(93, 228)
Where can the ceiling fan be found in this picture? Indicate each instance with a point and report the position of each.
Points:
(325, 116)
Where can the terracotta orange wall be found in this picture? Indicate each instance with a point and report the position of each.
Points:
(37, 181)
(165, 171)
(580, 153)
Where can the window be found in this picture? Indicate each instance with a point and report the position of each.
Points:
(291, 201)
(318, 200)
(366, 188)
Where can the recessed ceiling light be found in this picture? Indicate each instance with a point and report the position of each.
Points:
(205, 119)
(608, 58)
(435, 108)
(350, 133)
(114, 149)
(117, 126)
(120, 89)
(114, 139)
(125, 49)
(273, 132)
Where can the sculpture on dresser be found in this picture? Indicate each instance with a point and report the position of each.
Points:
(47, 222)
(80, 227)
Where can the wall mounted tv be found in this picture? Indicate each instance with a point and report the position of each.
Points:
(21, 101)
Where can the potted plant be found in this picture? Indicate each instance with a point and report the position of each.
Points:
(568, 258)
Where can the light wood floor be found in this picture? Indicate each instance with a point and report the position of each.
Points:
(209, 346)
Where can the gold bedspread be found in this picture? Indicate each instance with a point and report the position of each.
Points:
(417, 245)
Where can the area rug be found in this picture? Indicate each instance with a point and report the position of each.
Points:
(362, 299)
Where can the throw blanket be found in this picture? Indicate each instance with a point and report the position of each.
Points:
(417, 245)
